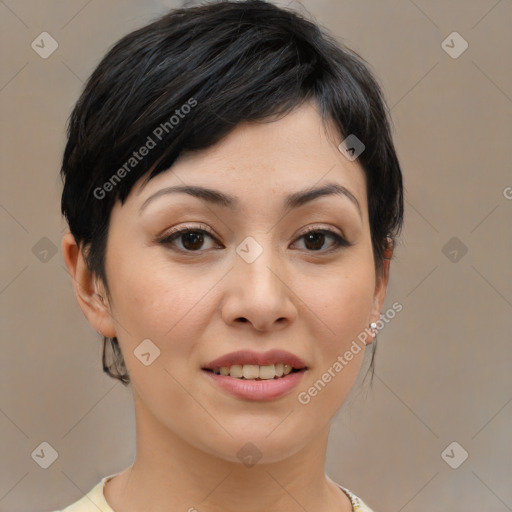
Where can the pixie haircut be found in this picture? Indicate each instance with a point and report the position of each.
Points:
(183, 82)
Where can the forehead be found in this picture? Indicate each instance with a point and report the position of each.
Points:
(260, 162)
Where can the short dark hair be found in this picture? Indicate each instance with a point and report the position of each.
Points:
(184, 81)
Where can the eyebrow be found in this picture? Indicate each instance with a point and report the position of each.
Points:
(293, 200)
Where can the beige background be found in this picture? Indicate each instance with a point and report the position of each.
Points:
(444, 363)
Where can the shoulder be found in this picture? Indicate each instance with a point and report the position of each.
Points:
(93, 501)
(358, 504)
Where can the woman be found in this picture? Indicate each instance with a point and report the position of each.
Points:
(233, 195)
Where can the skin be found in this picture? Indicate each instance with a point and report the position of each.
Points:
(198, 305)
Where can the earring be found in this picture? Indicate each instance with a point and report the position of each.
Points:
(373, 328)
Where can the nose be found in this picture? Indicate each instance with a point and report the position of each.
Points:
(260, 293)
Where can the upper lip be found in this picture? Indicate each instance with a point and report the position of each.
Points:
(242, 357)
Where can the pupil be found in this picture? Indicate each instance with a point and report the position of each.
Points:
(312, 236)
(195, 238)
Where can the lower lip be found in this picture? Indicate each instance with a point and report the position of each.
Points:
(257, 389)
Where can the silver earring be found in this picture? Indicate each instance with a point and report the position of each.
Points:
(373, 327)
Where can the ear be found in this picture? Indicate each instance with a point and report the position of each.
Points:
(89, 291)
(381, 283)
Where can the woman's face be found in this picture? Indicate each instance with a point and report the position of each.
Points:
(245, 278)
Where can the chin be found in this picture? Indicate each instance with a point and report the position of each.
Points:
(253, 447)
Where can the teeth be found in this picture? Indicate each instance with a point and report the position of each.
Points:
(236, 371)
(253, 371)
(266, 372)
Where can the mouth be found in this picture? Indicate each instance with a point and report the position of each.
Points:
(256, 376)
(251, 365)
(256, 372)
(247, 385)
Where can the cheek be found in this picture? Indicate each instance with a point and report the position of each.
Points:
(155, 300)
(350, 304)
(341, 300)
(342, 308)
(146, 303)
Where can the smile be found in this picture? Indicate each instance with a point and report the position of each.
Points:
(256, 372)
(256, 389)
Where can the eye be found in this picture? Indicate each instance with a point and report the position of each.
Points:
(192, 238)
(315, 238)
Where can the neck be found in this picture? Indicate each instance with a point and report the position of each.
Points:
(169, 474)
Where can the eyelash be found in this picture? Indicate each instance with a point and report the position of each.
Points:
(339, 242)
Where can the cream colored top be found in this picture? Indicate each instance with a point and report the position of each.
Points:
(94, 500)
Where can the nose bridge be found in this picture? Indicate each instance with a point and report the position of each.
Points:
(258, 262)
(258, 292)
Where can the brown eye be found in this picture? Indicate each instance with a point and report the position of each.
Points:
(315, 239)
(192, 240)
